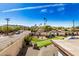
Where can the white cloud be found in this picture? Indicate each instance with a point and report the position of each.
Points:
(59, 4)
(34, 7)
(60, 9)
(44, 10)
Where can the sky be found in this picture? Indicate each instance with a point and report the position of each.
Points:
(29, 14)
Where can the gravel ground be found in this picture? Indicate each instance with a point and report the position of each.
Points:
(48, 51)
(45, 51)
(32, 52)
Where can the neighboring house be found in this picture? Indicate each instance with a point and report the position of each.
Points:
(76, 32)
(57, 32)
(43, 33)
(61, 32)
(54, 32)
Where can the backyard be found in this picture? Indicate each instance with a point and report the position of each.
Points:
(41, 43)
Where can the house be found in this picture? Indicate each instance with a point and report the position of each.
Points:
(61, 32)
(54, 32)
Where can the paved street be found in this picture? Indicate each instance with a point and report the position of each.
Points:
(8, 40)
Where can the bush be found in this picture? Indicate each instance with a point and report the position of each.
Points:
(36, 47)
(27, 39)
(3, 29)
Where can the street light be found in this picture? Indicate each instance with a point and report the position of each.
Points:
(7, 19)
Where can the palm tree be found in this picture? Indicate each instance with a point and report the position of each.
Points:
(45, 20)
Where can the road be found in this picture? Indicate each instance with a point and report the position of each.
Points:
(8, 40)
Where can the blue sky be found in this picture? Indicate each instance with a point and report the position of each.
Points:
(28, 14)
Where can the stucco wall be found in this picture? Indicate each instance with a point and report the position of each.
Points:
(12, 49)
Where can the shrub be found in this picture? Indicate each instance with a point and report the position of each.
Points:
(27, 39)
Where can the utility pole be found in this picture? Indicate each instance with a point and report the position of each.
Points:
(7, 19)
(73, 29)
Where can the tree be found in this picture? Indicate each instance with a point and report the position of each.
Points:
(47, 28)
(4, 29)
(34, 28)
(28, 39)
(16, 28)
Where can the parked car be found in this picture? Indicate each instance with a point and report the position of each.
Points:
(71, 37)
(18, 32)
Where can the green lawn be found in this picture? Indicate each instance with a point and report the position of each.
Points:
(41, 43)
(34, 40)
